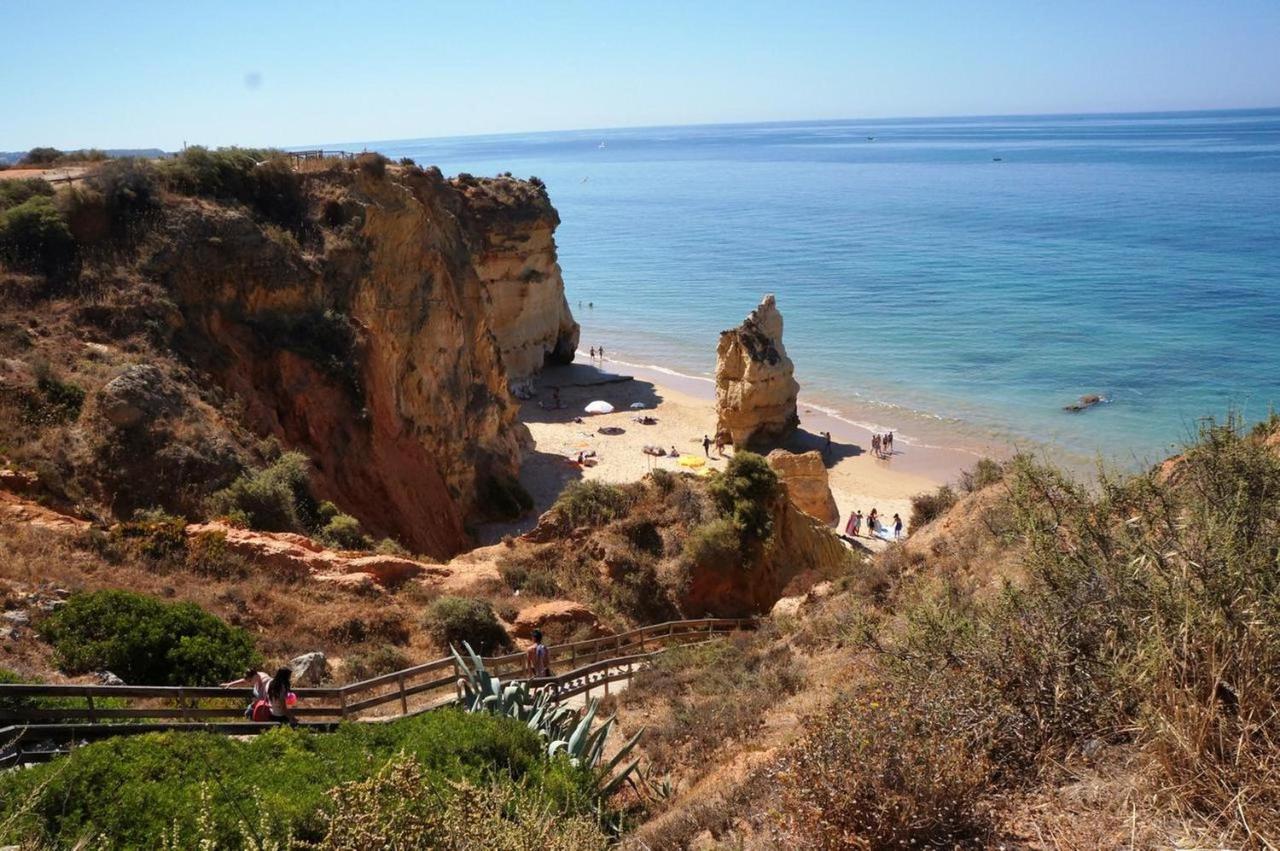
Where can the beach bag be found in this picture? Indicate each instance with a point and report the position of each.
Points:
(261, 711)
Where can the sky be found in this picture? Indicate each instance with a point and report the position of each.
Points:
(137, 74)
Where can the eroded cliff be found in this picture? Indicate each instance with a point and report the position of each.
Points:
(755, 382)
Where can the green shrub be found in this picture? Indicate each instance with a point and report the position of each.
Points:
(262, 179)
(375, 663)
(274, 499)
(927, 507)
(132, 790)
(40, 157)
(373, 164)
(327, 338)
(714, 546)
(592, 503)
(984, 474)
(15, 192)
(146, 641)
(155, 536)
(343, 532)
(746, 493)
(391, 547)
(55, 401)
(453, 620)
(35, 237)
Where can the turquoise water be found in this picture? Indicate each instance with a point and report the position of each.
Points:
(926, 286)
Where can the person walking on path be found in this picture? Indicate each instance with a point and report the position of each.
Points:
(537, 659)
(278, 698)
(255, 680)
(706, 446)
(897, 527)
(720, 443)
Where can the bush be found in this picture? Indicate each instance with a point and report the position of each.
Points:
(375, 663)
(41, 157)
(134, 790)
(343, 532)
(453, 620)
(262, 179)
(745, 493)
(984, 474)
(275, 499)
(539, 583)
(592, 503)
(372, 164)
(714, 546)
(888, 768)
(154, 536)
(146, 641)
(927, 507)
(15, 192)
(35, 237)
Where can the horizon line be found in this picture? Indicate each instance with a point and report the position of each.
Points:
(800, 121)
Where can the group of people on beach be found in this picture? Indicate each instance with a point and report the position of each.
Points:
(882, 444)
(853, 528)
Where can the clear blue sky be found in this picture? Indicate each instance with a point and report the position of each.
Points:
(115, 73)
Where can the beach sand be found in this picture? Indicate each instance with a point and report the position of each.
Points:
(685, 410)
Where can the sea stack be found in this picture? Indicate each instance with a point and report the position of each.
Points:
(755, 382)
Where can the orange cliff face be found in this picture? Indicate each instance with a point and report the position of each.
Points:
(380, 355)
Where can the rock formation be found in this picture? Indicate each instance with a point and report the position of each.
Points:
(382, 353)
(805, 477)
(755, 386)
(515, 259)
(569, 616)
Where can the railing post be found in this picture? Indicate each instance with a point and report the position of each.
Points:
(404, 701)
(93, 715)
(182, 703)
(342, 704)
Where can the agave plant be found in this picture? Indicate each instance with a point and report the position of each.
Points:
(559, 725)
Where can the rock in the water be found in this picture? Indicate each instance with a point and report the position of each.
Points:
(309, 669)
(805, 476)
(1085, 403)
(139, 394)
(755, 383)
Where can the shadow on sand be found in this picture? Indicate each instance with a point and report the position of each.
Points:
(805, 441)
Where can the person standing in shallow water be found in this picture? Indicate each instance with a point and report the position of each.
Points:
(593, 352)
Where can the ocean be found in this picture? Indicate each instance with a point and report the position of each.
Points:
(959, 280)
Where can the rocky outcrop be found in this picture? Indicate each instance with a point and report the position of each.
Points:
(569, 616)
(800, 552)
(805, 477)
(140, 393)
(380, 351)
(298, 557)
(755, 385)
(515, 259)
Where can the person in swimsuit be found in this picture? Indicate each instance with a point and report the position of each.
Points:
(897, 527)
(873, 523)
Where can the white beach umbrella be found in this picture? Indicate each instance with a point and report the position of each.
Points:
(599, 406)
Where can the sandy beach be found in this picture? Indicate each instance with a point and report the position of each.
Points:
(684, 408)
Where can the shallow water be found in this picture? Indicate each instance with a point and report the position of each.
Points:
(926, 286)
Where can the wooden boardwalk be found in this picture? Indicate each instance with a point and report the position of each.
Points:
(31, 729)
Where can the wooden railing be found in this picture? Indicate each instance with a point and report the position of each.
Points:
(592, 663)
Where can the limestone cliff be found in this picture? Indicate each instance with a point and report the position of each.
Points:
(755, 383)
(376, 331)
(805, 476)
(515, 260)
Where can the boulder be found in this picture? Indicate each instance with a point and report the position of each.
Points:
(107, 678)
(309, 669)
(755, 382)
(140, 394)
(566, 613)
(805, 477)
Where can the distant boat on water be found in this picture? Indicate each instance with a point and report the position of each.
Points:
(602, 145)
(997, 159)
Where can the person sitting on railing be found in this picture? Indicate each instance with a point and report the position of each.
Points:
(256, 680)
(537, 659)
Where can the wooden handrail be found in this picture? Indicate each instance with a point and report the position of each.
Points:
(590, 656)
